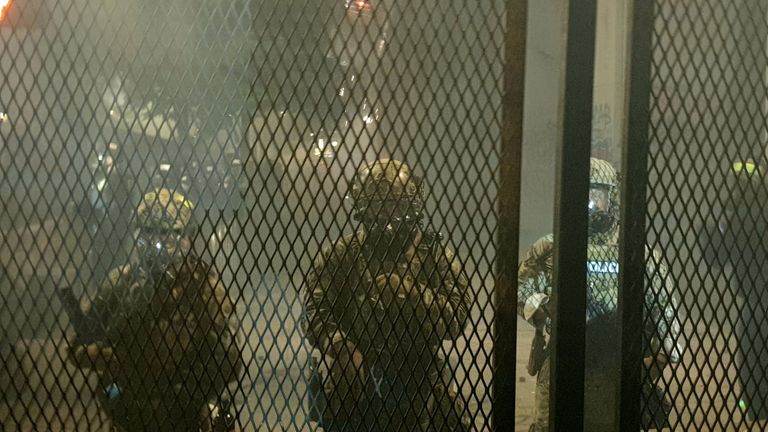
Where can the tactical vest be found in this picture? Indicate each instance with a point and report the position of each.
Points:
(602, 280)
(602, 299)
(392, 334)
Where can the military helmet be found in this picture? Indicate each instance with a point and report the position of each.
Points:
(746, 186)
(745, 172)
(746, 167)
(387, 189)
(602, 172)
(165, 210)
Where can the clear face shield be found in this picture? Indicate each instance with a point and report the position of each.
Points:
(600, 217)
(158, 246)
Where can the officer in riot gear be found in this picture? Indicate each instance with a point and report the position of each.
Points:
(379, 304)
(662, 329)
(734, 240)
(160, 332)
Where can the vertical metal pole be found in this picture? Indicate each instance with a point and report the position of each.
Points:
(632, 239)
(570, 260)
(505, 331)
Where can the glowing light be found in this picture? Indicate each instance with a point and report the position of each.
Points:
(4, 4)
(358, 8)
(357, 5)
(747, 167)
(325, 148)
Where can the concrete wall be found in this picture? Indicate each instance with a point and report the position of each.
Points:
(545, 68)
(610, 80)
(543, 89)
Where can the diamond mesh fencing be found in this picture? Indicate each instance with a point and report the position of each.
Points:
(183, 245)
(706, 207)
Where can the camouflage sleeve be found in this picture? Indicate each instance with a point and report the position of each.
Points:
(448, 306)
(100, 318)
(320, 292)
(662, 323)
(222, 334)
(103, 308)
(534, 276)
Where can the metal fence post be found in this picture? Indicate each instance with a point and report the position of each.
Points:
(633, 213)
(505, 336)
(570, 279)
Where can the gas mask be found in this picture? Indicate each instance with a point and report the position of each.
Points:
(158, 248)
(601, 217)
(391, 222)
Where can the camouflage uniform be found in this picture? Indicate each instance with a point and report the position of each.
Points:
(394, 293)
(662, 328)
(161, 332)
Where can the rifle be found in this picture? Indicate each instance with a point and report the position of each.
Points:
(86, 329)
(539, 353)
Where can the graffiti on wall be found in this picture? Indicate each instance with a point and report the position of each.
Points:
(602, 131)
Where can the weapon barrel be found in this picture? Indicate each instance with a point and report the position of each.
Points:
(85, 330)
(71, 304)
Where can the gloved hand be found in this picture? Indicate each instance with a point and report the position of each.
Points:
(654, 365)
(349, 376)
(536, 310)
(93, 356)
(392, 288)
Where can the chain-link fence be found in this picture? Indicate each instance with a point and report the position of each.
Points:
(259, 113)
(706, 204)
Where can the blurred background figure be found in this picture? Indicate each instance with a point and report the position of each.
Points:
(161, 332)
(734, 244)
(662, 330)
(379, 303)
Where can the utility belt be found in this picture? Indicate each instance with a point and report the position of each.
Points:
(126, 411)
(443, 409)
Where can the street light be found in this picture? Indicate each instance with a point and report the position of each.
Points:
(358, 7)
(4, 4)
(28, 15)
(325, 145)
